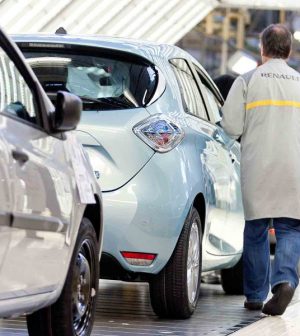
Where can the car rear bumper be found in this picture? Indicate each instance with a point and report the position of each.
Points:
(147, 214)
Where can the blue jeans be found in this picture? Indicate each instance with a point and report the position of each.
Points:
(256, 256)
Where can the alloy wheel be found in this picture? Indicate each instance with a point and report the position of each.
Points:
(193, 262)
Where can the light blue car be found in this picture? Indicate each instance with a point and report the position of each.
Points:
(169, 174)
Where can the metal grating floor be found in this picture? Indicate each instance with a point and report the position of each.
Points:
(124, 309)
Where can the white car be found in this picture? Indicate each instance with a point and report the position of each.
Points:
(50, 206)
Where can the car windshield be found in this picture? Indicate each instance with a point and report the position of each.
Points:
(101, 82)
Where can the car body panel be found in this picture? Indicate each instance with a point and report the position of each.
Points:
(148, 212)
(43, 201)
(222, 181)
(44, 229)
(146, 215)
(109, 140)
(20, 304)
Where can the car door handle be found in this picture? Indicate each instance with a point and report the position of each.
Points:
(20, 156)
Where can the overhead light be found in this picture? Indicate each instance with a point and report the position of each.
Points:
(241, 62)
(296, 26)
(297, 35)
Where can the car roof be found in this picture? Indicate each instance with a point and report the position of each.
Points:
(145, 49)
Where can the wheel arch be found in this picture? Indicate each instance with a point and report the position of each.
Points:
(94, 213)
(199, 205)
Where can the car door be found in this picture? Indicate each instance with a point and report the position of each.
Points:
(41, 187)
(233, 232)
(214, 157)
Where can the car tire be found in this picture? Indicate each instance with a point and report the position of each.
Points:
(175, 290)
(73, 313)
(232, 279)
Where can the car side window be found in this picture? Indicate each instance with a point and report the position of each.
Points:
(212, 104)
(191, 97)
(16, 97)
(214, 107)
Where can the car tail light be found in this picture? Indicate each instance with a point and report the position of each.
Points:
(138, 259)
(159, 132)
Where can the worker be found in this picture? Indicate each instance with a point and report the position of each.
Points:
(263, 107)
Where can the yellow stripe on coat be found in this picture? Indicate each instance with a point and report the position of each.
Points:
(270, 102)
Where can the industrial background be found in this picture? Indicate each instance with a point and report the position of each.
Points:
(224, 36)
(221, 34)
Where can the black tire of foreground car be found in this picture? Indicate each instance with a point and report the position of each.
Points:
(175, 290)
(232, 279)
(73, 313)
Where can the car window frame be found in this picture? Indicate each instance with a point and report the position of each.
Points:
(15, 56)
(213, 114)
(208, 83)
(197, 84)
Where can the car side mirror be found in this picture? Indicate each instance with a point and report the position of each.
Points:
(67, 112)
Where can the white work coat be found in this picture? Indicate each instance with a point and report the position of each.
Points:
(263, 107)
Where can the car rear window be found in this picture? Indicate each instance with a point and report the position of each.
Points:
(101, 82)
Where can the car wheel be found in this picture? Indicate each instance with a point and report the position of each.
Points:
(232, 279)
(73, 313)
(174, 291)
